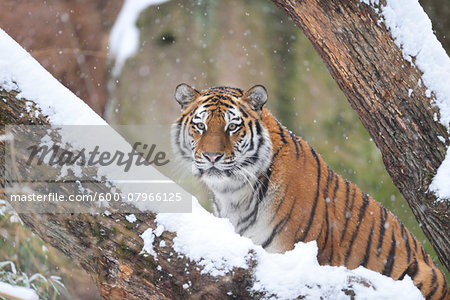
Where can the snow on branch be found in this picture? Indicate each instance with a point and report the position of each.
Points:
(412, 32)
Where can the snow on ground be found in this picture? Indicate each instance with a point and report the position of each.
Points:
(124, 38)
(412, 31)
(17, 292)
(208, 240)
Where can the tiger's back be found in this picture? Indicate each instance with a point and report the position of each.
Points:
(350, 227)
(277, 190)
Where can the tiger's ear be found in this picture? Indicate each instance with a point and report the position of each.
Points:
(256, 97)
(184, 94)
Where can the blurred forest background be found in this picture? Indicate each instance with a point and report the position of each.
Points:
(203, 43)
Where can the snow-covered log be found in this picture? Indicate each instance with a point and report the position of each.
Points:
(166, 255)
(395, 74)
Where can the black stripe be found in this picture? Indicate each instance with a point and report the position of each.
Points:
(330, 174)
(275, 231)
(313, 209)
(347, 208)
(231, 99)
(368, 246)
(383, 215)
(327, 229)
(391, 257)
(252, 143)
(433, 283)
(332, 245)
(258, 127)
(209, 105)
(336, 187)
(185, 122)
(405, 237)
(244, 114)
(276, 154)
(265, 184)
(297, 153)
(281, 133)
(411, 271)
(362, 213)
(325, 196)
(425, 256)
(210, 97)
(279, 227)
(226, 105)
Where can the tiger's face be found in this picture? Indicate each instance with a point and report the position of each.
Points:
(221, 135)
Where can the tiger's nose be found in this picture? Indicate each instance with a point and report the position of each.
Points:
(212, 156)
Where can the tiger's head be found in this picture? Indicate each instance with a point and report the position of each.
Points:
(221, 135)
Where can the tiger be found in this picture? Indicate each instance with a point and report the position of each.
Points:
(277, 190)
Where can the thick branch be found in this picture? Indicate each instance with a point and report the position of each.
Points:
(370, 69)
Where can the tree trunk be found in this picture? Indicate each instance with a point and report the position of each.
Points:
(362, 57)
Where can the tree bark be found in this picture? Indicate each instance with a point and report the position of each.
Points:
(362, 57)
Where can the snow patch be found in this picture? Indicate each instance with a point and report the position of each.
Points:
(131, 218)
(208, 240)
(148, 238)
(17, 292)
(124, 37)
(159, 230)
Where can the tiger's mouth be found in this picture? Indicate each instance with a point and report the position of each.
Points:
(215, 171)
(208, 166)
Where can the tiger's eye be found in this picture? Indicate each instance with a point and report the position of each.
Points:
(201, 126)
(232, 126)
